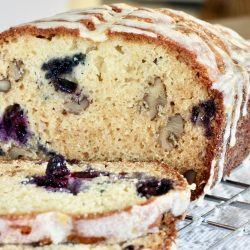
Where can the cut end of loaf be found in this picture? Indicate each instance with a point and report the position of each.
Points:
(109, 101)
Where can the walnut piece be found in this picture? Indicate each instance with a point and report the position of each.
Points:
(77, 104)
(5, 85)
(155, 97)
(171, 133)
(16, 70)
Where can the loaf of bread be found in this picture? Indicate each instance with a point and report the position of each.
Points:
(56, 202)
(118, 83)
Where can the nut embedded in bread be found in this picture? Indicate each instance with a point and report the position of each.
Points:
(87, 202)
(104, 84)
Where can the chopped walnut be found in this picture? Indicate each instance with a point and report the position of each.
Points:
(155, 97)
(16, 70)
(5, 85)
(78, 103)
(171, 133)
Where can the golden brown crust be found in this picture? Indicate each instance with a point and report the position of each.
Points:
(15, 32)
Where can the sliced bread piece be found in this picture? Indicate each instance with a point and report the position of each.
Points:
(57, 202)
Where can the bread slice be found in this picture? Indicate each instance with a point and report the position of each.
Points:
(163, 240)
(125, 83)
(57, 202)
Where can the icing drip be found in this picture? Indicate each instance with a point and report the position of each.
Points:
(204, 40)
(153, 15)
(74, 20)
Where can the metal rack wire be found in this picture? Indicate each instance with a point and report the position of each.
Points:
(221, 203)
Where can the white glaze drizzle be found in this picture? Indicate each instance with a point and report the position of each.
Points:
(72, 20)
(153, 15)
(234, 83)
(132, 30)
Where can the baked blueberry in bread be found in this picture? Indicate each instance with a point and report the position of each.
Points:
(124, 83)
(108, 203)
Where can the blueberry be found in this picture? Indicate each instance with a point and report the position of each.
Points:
(14, 124)
(56, 68)
(65, 85)
(57, 167)
(203, 114)
(153, 187)
(89, 174)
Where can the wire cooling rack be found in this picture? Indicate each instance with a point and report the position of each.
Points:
(223, 221)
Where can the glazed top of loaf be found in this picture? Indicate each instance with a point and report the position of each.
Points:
(223, 55)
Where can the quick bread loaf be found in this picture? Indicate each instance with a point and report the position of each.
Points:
(108, 203)
(119, 82)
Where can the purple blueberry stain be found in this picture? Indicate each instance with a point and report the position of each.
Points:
(203, 114)
(58, 178)
(90, 173)
(14, 125)
(57, 68)
(65, 85)
(149, 187)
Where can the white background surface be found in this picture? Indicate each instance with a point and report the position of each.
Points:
(13, 12)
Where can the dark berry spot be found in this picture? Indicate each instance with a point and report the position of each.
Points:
(129, 247)
(203, 114)
(65, 85)
(14, 125)
(57, 167)
(132, 247)
(89, 174)
(58, 67)
(1, 152)
(153, 187)
(58, 178)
